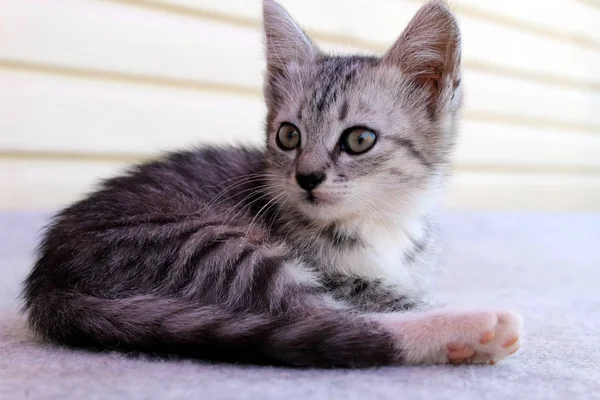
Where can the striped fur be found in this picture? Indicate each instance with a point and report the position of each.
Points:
(217, 253)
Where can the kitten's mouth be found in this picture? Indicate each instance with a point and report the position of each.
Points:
(312, 199)
(318, 199)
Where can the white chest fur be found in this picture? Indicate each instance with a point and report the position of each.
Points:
(381, 253)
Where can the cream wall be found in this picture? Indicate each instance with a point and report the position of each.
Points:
(87, 86)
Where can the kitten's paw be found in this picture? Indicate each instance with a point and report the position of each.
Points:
(494, 344)
(444, 336)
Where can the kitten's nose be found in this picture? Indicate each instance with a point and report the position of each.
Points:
(310, 181)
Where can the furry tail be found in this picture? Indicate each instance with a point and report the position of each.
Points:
(177, 326)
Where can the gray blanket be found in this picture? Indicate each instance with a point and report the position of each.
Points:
(547, 266)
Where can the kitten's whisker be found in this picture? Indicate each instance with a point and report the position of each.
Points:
(234, 185)
(245, 180)
(392, 196)
(237, 179)
(244, 208)
(232, 179)
(374, 205)
(264, 191)
(277, 212)
(252, 189)
(383, 200)
(261, 210)
(228, 221)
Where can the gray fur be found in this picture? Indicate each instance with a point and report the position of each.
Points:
(218, 253)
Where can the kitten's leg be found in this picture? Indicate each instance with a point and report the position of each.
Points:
(371, 295)
(445, 336)
(302, 336)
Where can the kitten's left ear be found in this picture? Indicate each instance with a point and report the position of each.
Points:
(286, 42)
(428, 51)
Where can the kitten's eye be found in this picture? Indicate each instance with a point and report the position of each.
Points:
(357, 140)
(288, 137)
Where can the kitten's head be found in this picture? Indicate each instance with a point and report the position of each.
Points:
(355, 136)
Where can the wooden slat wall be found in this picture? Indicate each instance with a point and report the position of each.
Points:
(89, 86)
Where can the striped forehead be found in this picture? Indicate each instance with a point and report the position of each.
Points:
(331, 80)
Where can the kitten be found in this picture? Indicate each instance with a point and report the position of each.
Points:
(315, 250)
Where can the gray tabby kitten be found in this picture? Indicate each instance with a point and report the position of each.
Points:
(314, 251)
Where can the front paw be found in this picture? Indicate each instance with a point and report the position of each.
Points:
(457, 337)
(498, 341)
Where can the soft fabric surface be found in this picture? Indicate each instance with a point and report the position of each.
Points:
(545, 266)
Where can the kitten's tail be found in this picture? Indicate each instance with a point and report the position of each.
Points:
(178, 326)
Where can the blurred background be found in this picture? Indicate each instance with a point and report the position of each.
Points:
(89, 86)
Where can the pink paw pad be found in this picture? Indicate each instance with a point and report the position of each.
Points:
(459, 353)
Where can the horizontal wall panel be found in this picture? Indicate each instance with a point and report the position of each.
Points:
(181, 43)
(488, 191)
(63, 114)
(492, 93)
(34, 184)
(560, 19)
(41, 184)
(103, 35)
(488, 144)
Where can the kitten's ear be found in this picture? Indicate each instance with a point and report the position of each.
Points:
(286, 42)
(428, 51)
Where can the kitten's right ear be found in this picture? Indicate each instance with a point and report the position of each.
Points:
(286, 42)
(428, 51)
